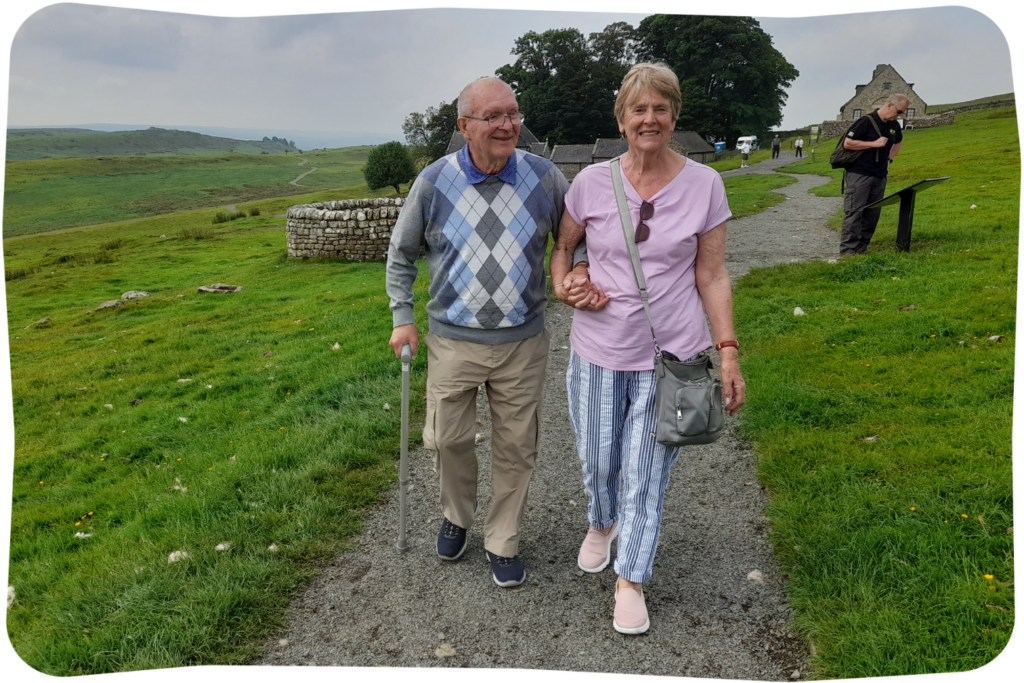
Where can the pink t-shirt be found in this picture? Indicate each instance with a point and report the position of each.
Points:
(618, 337)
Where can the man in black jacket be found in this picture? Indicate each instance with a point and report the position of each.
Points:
(866, 176)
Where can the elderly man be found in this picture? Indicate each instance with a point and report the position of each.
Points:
(880, 137)
(484, 215)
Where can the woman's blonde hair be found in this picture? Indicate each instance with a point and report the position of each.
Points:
(648, 76)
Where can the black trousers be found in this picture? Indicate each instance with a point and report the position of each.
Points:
(775, 152)
(859, 223)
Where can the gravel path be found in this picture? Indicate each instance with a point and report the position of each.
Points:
(710, 616)
(302, 163)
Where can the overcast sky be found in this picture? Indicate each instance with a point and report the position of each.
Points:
(363, 72)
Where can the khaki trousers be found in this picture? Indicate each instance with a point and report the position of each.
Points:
(514, 378)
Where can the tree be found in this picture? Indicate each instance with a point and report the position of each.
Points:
(733, 80)
(566, 83)
(429, 133)
(388, 165)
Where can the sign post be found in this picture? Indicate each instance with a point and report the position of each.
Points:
(906, 197)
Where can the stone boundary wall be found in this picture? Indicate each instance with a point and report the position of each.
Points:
(833, 129)
(1012, 102)
(350, 229)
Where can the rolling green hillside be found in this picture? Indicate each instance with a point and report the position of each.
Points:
(46, 143)
(55, 194)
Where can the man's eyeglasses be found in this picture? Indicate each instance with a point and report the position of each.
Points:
(495, 120)
(900, 112)
(643, 231)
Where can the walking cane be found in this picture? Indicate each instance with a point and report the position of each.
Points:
(403, 463)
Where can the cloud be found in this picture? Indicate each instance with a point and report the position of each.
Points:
(108, 36)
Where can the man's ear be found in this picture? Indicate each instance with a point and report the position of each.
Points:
(462, 122)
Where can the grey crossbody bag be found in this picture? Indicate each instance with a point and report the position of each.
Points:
(687, 398)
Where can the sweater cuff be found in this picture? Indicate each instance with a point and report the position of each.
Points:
(403, 316)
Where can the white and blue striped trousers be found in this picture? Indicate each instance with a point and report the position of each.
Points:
(612, 413)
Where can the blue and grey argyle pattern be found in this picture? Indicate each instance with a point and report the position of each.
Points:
(490, 236)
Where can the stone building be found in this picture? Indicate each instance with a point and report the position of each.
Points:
(885, 81)
(571, 159)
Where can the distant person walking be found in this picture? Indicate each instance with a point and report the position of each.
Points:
(879, 143)
(744, 153)
(799, 146)
(776, 146)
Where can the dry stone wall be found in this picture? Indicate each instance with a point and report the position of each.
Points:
(833, 129)
(350, 229)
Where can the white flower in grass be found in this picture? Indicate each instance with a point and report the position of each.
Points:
(177, 556)
(974, 206)
(798, 311)
(182, 419)
(387, 406)
(108, 406)
(272, 547)
(223, 546)
(336, 347)
(209, 386)
(81, 535)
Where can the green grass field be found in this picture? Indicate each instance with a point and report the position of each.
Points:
(883, 417)
(284, 440)
(54, 194)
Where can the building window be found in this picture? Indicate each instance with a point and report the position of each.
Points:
(887, 86)
(910, 114)
(856, 114)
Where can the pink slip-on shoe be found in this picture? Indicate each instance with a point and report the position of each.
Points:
(596, 551)
(630, 611)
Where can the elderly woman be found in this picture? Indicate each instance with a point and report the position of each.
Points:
(679, 209)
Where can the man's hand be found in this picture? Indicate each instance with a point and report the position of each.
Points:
(879, 143)
(402, 335)
(578, 291)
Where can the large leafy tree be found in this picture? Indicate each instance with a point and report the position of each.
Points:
(732, 78)
(566, 82)
(388, 165)
(428, 133)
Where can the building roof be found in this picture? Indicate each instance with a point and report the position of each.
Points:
(540, 149)
(691, 141)
(609, 148)
(572, 154)
(526, 138)
(875, 75)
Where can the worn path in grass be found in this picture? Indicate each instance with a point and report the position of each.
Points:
(373, 606)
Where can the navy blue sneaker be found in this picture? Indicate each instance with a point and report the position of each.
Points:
(507, 571)
(451, 541)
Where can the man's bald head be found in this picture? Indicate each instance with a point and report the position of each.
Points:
(484, 85)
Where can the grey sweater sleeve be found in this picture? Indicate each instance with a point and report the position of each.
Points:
(406, 239)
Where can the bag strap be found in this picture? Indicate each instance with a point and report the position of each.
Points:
(634, 253)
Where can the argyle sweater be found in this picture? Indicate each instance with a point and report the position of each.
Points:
(484, 238)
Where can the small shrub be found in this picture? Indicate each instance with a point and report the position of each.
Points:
(254, 211)
(236, 216)
(112, 244)
(17, 273)
(197, 233)
(221, 217)
(66, 258)
(103, 257)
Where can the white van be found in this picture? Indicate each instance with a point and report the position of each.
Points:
(752, 139)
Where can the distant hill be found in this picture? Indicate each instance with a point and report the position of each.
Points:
(24, 144)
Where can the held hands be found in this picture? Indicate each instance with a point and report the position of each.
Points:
(578, 291)
(402, 335)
